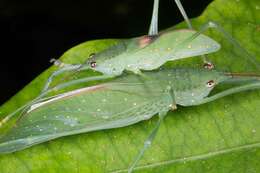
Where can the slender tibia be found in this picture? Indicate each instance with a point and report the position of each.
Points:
(82, 80)
(229, 38)
(250, 57)
(147, 144)
(22, 109)
(56, 73)
(188, 22)
(183, 13)
(226, 35)
(153, 30)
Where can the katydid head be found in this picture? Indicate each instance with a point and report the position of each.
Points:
(204, 81)
(207, 79)
(196, 85)
(212, 78)
(102, 63)
(91, 61)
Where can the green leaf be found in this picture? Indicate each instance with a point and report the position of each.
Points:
(222, 136)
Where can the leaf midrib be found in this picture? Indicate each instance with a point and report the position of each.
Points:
(194, 157)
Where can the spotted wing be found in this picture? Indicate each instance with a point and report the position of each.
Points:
(98, 107)
(172, 45)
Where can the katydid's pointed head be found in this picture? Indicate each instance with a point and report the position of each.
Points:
(103, 63)
(91, 62)
(211, 78)
(208, 79)
(196, 84)
(95, 61)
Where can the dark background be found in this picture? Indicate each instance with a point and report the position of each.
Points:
(33, 32)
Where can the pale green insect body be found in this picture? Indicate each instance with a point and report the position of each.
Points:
(151, 52)
(125, 101)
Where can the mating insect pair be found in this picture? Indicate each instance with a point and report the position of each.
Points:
(77, 111)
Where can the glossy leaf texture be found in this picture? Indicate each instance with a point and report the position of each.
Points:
(222, 136)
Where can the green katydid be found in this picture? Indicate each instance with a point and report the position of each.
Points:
(131, 47)
(137, 53)
(152, 51)
(93, 108)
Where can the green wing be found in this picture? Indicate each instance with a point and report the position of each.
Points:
(167, 46)
(174, 45)
(93, 108)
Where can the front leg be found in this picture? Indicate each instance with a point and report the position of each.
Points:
(63, 68)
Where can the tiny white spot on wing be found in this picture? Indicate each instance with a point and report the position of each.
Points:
(105, 117)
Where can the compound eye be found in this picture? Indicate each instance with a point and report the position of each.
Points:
(210, 83)
(208, 65)
(91, 55)
(93, 64)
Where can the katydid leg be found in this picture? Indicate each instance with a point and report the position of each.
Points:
(188, 22)
(147, 142)
(183, 13)
(25, 107)
(81, 80)
(22, 109)
(152, 135)
(226, 35)
(229, 38)
(63, 69)
(153, 30)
